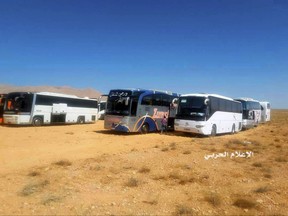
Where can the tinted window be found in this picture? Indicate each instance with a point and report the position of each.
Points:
(71, 102)
(147, 100)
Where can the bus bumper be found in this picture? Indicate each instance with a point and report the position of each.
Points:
(16, 119)
(189, 126)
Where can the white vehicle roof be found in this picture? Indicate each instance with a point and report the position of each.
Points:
(61, 95)
(246, 99)
(206, 95)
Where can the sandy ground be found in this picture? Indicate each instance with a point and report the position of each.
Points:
(86, 170)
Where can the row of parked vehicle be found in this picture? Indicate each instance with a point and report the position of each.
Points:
(137, 110)
(142, 110)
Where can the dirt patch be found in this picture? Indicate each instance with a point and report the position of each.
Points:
(83, 169)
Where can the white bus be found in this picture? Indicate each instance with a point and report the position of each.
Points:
(208, 114)
(138, 110)
(26, 108)
(251, 112)
(265, 111)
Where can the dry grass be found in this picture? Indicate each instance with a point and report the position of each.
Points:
(63, 163)
(50, 199)
(165, 149)
(213, 198)
(181, 179)
(132, 182)
(262, 190)
(281, 159)
(33, 188)
(144, 170)
(257, 164)
(173, 146)
(34, 173)
(184, 210)
(244, 203)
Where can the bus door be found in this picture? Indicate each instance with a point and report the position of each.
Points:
(58, 114)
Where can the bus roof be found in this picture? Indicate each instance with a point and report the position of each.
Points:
(52, 94)
(246, 99)
(148, 90)
(206, 95)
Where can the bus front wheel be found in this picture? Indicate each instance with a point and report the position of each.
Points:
(145, 128)
(214, 130)
(37, 121)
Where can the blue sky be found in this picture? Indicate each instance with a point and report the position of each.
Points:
(237, 48)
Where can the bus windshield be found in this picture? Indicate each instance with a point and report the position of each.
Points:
(118, 102)
(193, 108)
(18, 102)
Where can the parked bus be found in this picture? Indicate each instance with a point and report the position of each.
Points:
(208, 114)
(26, 108)
(2, 102)
(265, 111)
(138, 110)
(251, 112)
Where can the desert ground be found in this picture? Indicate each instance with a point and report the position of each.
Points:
(86, 170)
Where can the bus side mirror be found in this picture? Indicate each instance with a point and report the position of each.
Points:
(174, 102)
(127, 101)
(206, 101)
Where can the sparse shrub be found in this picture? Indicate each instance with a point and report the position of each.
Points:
(165, 149)
(63, 163)
(268, 175)
(281, 159)
(33, 188)
(156, 146)
(159, 177)
(182, 180)
(257, 164)
(95, 168)
(70, 133)
(183, 210)
(132, 182)
(262, 189)
(144, 170)
(187, 152)
(256, 143)
(34, 173)
(244, 203)
(235, 141)
(173, 146)
(213, 150)
(278, 146)
(174, 175)
(50, 198)
(213, 198)
(277, 140)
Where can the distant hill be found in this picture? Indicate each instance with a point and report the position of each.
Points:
(87, 92)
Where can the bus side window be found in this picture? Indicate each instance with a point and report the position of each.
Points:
(9, 105)
(147, 100)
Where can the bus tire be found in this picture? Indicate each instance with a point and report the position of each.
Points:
(37, 121)
(214, 130)
(233, 129)
(81, 120)
(145, 128)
